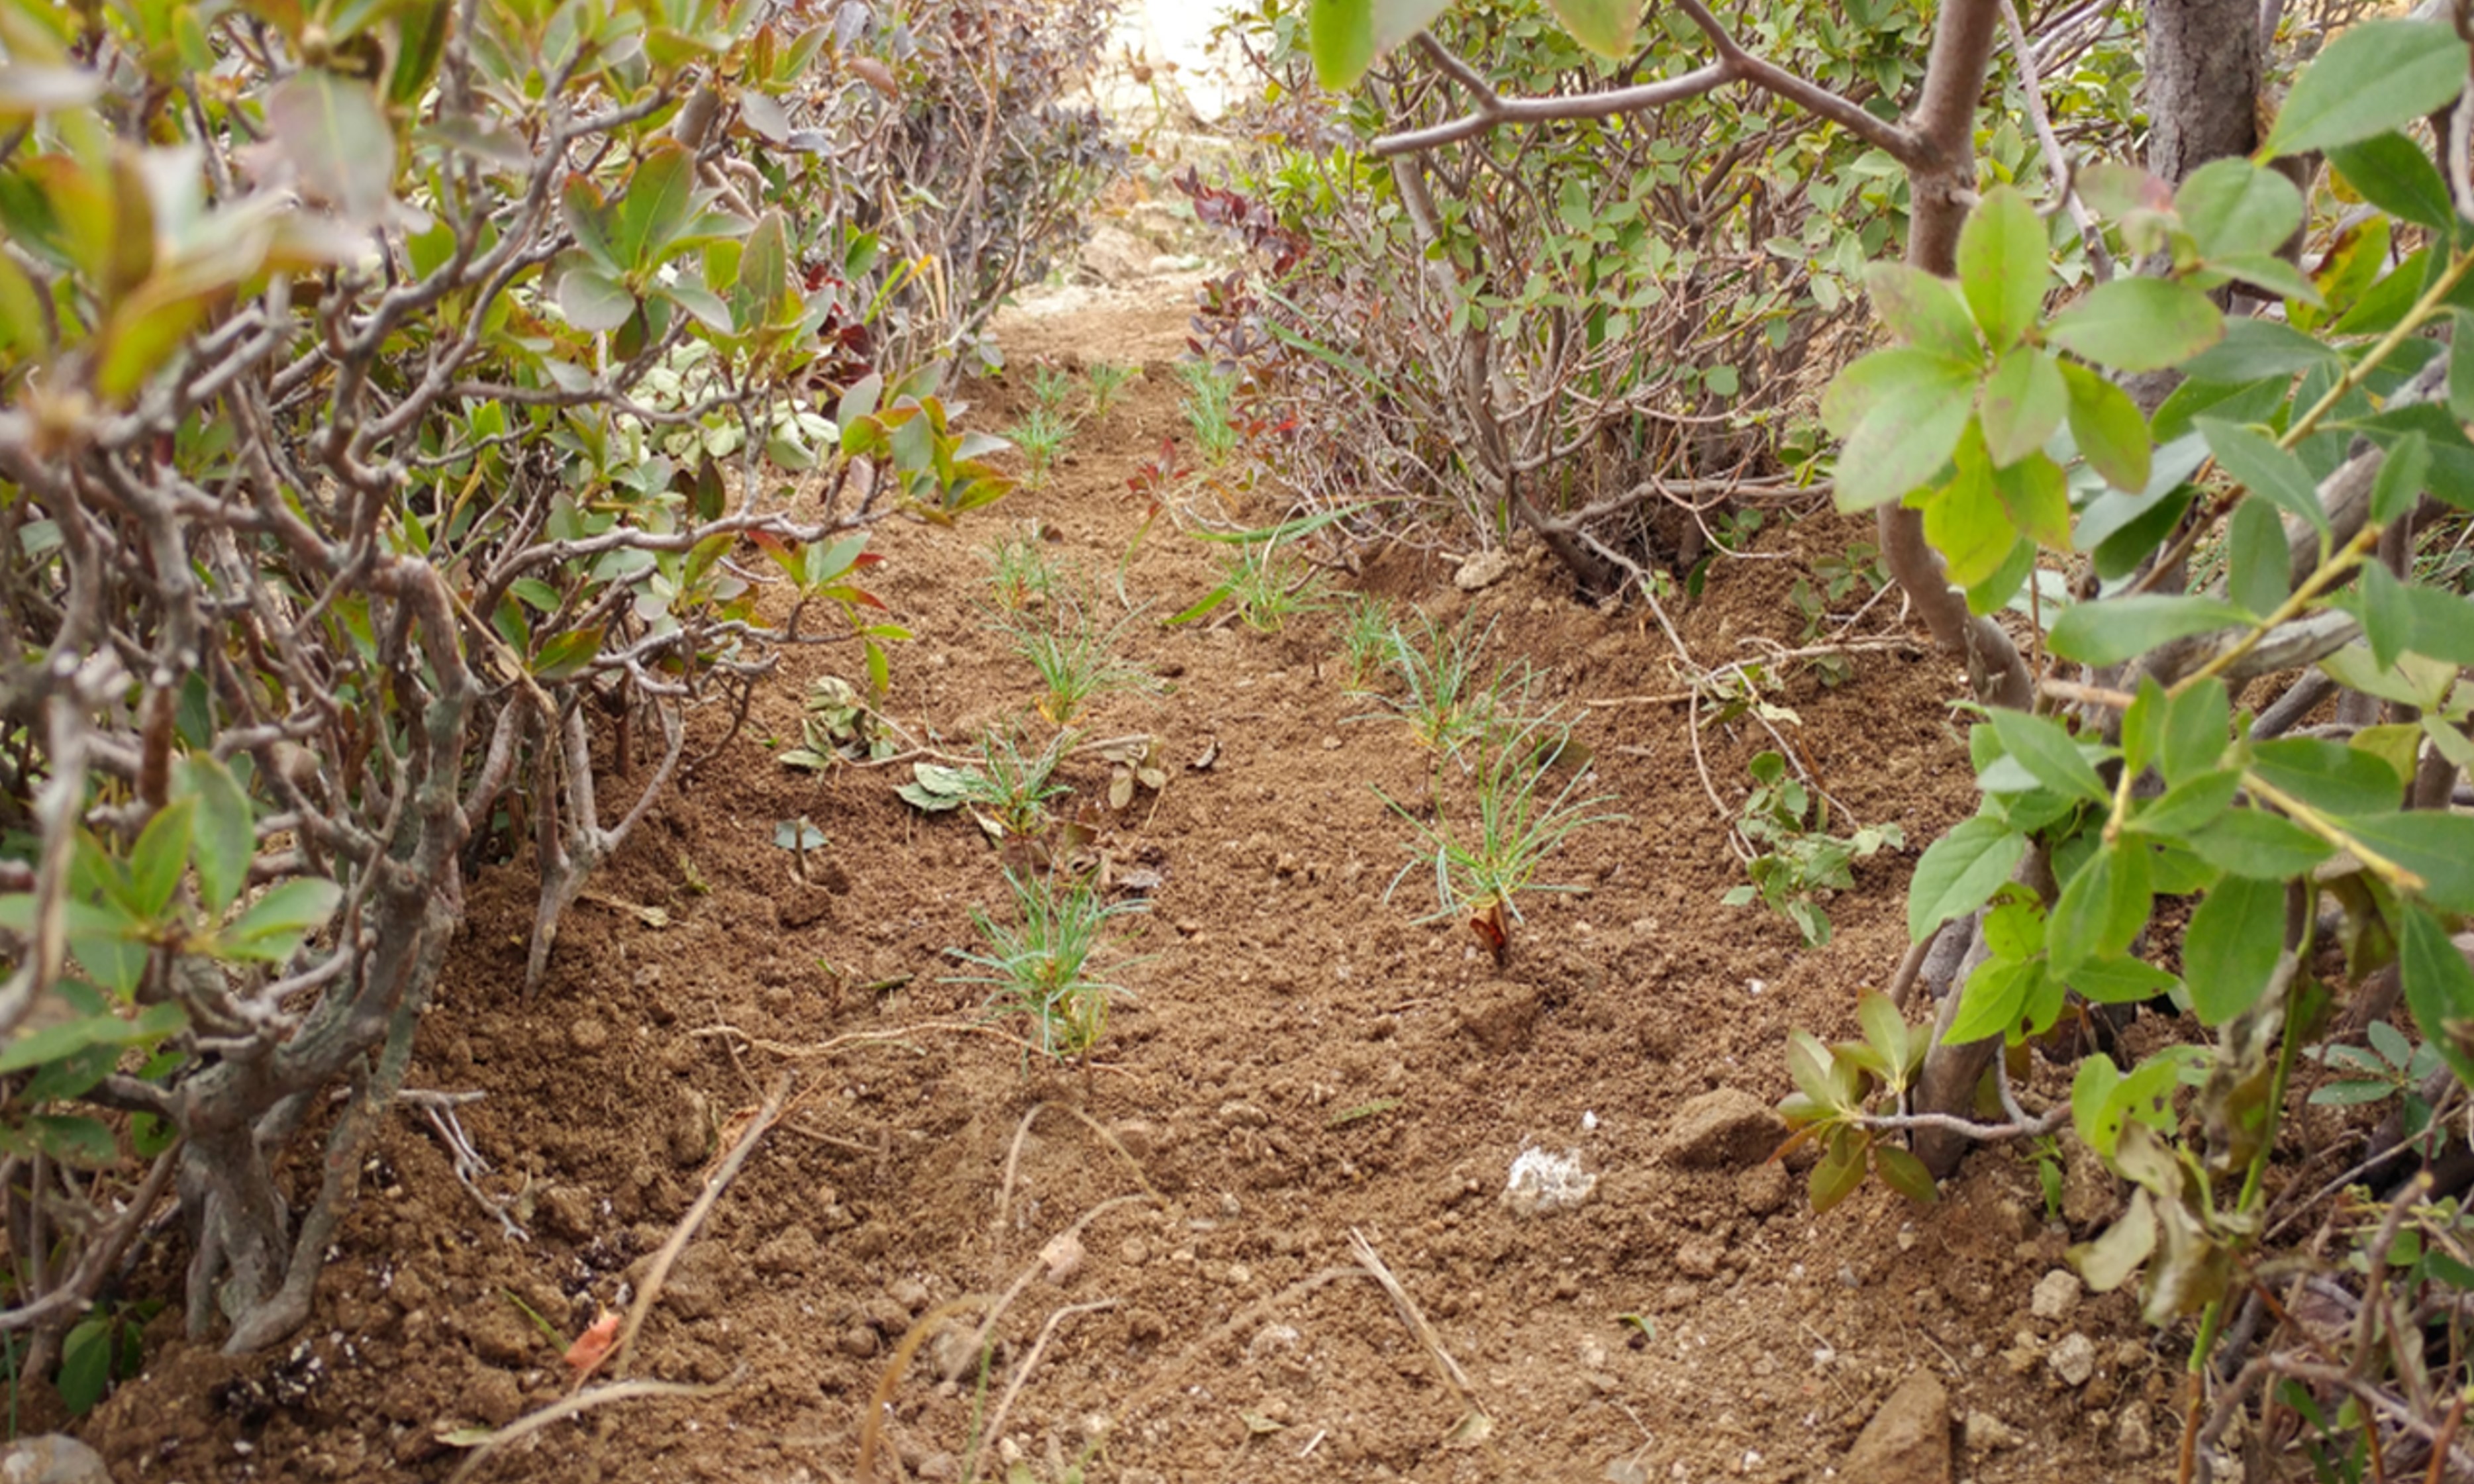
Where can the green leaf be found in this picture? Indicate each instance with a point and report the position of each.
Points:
(1346, 35)
(2257, 846)
(2139, 324)
(2197, 724)
(2037, 496)
(2025, 401)
(1807, 1064)
(2111, 630)
(2119, 979)
(1903, 1172)
(1907, 431)
(2258, 566)
(593, 301)
(659, 203)
(2394, 174)
(1966, 521)
(2255, 350)
(86, 1365)
(2434, 844)
(160, 856)
(83, 1142)
(1921, 309)
(2101, 907)
(1606, 27)
(2233, 207)
(2327, 775)
(2267, 271)
(2188, 806)
(2439, 988)
(2051, 753)
(2232, 946)
(272, 929)
(1960, 871)
(2266, 471)
(568, 655)
(2376, 76)
(332, 130)
(2386, 613)
(2461, 366)
(2091, 1089)
(2001, 998)
(2004, 267)
(65, 1038)
(225, 840)
(2107, 424)
(1839, 1172)
(2402, 477)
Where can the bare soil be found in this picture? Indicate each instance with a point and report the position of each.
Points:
(1302, 1063)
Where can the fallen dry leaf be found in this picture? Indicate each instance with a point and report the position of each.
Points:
(594, 1343)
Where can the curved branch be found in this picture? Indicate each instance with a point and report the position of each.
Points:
(1492, 111)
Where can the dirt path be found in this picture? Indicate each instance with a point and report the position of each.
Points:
(1302, 1063)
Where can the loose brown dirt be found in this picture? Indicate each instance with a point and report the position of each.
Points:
(1302, 1063)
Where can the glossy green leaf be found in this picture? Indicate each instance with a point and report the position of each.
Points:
(159, 857)
(2101, 907)
(2439, 988)
(1906, 434)
(2107, 424)
(1960, 871)
(2049, 752)
(2377, 75)
(1839, 1172)
(2232, 946)
(2139, 324)
(568, 655)
(2004, 267)
(1921, 310)
(593, 301)
(1966, 522)
(1903, 1172)
(2120, 628)
(2255, 350)
(2233, 206)
(2386, 613)
(2266, 471)
(2025, 401)
(2197, 724)
(1346, 35)
(226, 838)
(2119, 979)
(1993, 1001)
(2436, 845)
(2258, 565)
(273, 927)
(2403, 476)
(2258, 845)
(659, 203)
(57, 1040)
(84, 1375)
(2396, 174)
(2327, 775)
(2188, 806)
(1606, 27)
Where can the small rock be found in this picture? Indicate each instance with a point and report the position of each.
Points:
(1761, 1189)
(1907, 1442)
(2090, 1193)
(2056, 1294)
(859, 1342)
(1134, 1252)
(939, 1466)
(502, 1336)
(691, 1130)
(588, 1034)
(2073, 1358)
(494, 1395)
(955, 1352)
(794, 1250)
(567, 1212)
(1725, 1126)
(1482, 571)
(1697, 1259)
(1062, 1257)
(1987, 1433)
(909, 1291)
(2132, 1435)
(54, 1458)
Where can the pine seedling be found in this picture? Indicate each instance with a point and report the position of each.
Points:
(1075, 656)
(1108, 380)
(1483, 866)
(1043, 970)
(1041, 436)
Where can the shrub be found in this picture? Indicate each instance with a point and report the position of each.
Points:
(386, 393)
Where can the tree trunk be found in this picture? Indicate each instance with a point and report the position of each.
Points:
(2203, 74)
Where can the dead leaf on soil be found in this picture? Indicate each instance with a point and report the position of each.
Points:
(650, 916)
(591, 1345)
(1204, 760)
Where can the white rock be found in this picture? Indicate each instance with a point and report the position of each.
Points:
(2056, 1294)
(1987, 1433)
(2073, 1358)
(1483, 570)
(1540, 1183)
